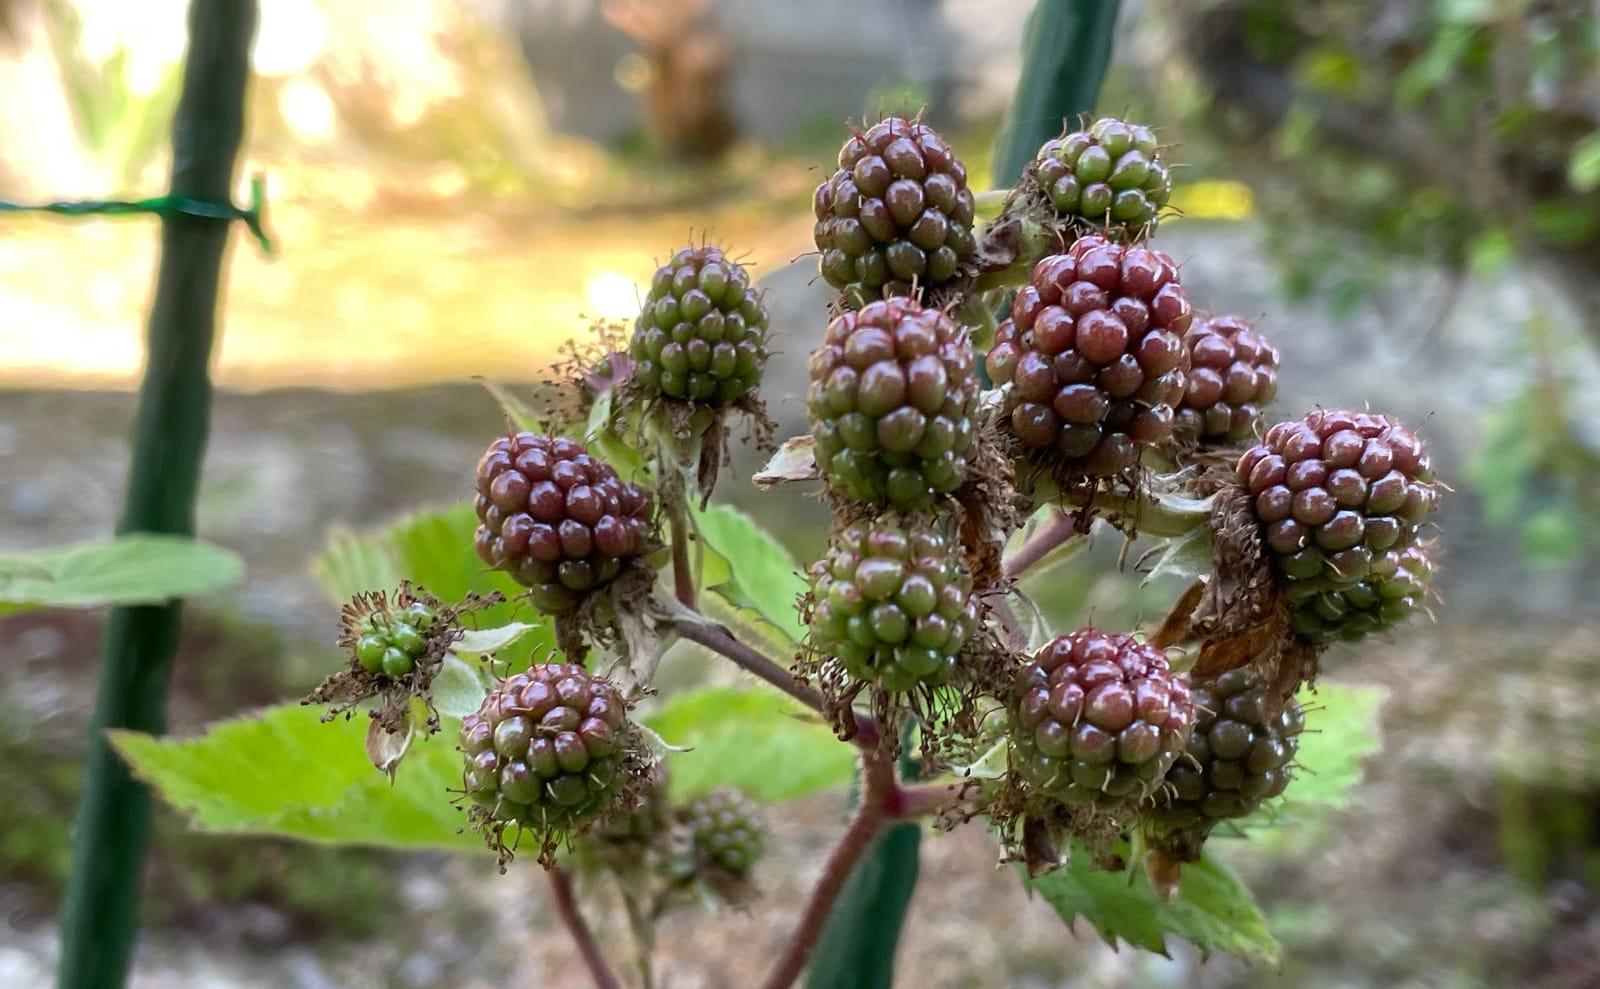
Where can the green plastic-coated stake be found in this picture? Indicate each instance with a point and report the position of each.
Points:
(1065, 50)
(100, 919)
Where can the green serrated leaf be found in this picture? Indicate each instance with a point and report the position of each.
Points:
(140, 568)
(855, 950)
(762, 575)
(1341, 731)
(737, 736)
(517, 411)
(285, 773)
(478, 641)
(1213, 910)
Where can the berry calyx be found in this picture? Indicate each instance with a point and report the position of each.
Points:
(893, 393)
(1341, 498)
(558, 520)
(548, 749)
(892, 603)
(1098, 719)
(1233, 374)
(896, 214)
(1091, 362)
(1109, 175)
(701, 332)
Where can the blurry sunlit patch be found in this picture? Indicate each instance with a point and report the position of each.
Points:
(1213, 199)
(150, 35)
(308, 110)
(632, 72)
(291, 35)
(613, 296)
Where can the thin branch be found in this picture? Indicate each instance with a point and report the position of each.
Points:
(1059, 529)
(870, 817)
(719, 640)
(567, 907)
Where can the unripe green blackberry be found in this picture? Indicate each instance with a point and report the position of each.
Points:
(1341, 497)
(1091, 362)
(559, 521)
(702, 332)
(1110, 175)
(892, 603)
(547, 749)
(1098, 719)
(391, 642)
(893, 392)
(897, 211)
(1233, 374)
(724, 832)
(1394, 589)
(1238, 757)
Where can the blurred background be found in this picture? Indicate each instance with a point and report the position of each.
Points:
(1406, 194)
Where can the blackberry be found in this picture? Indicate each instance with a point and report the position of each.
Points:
(1238, 758)
(897, 211)
(390, 643)
(892, 603)
(1233, 374)
(1098, 719)
(559, 521)
(1091, 361)
(892, 398)
(1341, 497)
(701, 334)
(1394, 589)
(547, 749)
(724, 831)
(1110, 175)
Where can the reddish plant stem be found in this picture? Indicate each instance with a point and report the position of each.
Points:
(1059, 529)
(682, 573)
(719, 640)
(870, 817)
(567, 907)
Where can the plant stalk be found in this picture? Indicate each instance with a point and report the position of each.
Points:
(871, 815)
(567, 907)
(682, 571)
(1059, 529)
(100, 918)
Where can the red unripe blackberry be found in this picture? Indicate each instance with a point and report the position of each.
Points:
(897, 211)
(559, 521)
(1092, 363)
(892, 603)
(893, 392)
(1098, 719)
(1238, 757)
(547, 749)
(1233, 374)
(701, 334)
(724, 831)
(1341, 497)
(1110, 174)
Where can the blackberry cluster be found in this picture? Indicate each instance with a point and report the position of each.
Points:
(1091, 362)
(1110, 175)
(897, 212)
(1098, 720)
(391, 643)
(1238, 757)
(701, 334)
(892, 603)
(891, 404)
(1341, 498)
(1233, 374)
(547, 749)
(723, 830)
(559, 521)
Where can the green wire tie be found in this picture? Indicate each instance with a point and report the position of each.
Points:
(165, 206)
